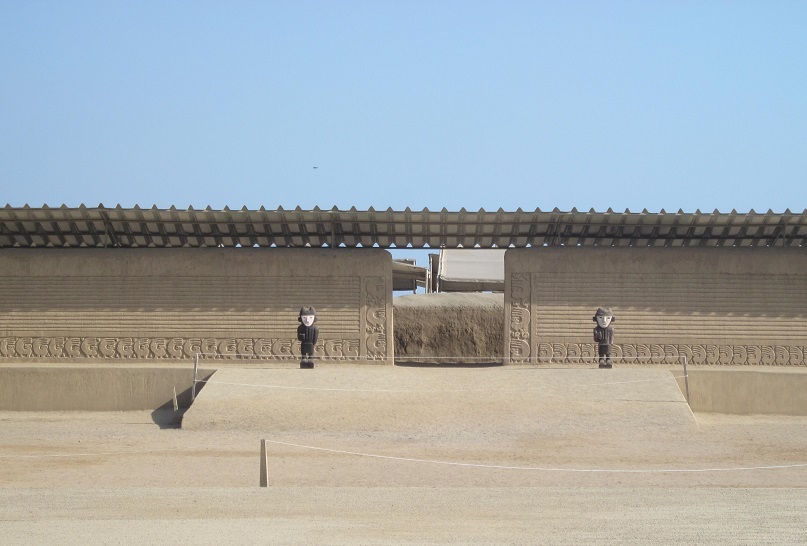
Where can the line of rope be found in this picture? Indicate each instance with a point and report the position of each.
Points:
(542, 469)
(444, 463)
(332, 389)
(93, 454)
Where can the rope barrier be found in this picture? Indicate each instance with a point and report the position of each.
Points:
(95, 454)
(446, 463)
(538, 468)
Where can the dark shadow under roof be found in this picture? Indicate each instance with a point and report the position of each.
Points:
(101, 227)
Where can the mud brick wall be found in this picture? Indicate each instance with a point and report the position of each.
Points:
(129, 304)
(741, 306)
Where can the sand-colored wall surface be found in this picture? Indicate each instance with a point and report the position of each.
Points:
(710, 305)
(747, 391)
(95, 388)
(167, 304)
(739, 390)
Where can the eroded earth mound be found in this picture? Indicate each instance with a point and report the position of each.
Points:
(449, 327)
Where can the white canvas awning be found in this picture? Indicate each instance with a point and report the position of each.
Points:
(471, 270)
(407, 276)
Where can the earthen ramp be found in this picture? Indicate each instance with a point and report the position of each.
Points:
(509, 404)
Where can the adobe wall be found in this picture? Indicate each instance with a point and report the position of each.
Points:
(96, 387)
(743, 391)
(713, 305)
(168, 304)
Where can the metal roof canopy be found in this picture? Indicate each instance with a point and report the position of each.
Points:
(102, 227)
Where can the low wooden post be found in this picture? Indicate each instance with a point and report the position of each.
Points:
(264, 465)
(686, 379)
(195, 372)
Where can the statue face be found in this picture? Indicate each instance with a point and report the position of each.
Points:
(603, 322)
(308, 320)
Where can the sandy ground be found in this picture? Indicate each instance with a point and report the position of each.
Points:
(392, 455)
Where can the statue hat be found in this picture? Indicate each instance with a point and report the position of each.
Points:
(307, 311)
(604, 312)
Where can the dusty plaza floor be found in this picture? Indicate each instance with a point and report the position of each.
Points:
(409, 455)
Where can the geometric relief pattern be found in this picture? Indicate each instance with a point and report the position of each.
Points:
(375, 293)
(696, 354)
(519, 328)
(167, 347)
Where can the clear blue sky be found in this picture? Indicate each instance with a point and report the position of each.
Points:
(647, 104)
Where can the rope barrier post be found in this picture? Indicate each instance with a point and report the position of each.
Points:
(195, 370)
(264, 480)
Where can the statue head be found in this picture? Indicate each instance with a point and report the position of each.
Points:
(308, 316)
(603, 317)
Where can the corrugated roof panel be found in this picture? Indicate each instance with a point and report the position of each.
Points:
(99, 227)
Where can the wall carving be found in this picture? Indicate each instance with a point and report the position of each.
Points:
(376, 316)
(77, 304)
(168, 347)
(696, 354)
(713, 306)
(519, 328)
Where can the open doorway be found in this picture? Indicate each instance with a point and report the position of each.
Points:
(458, 317)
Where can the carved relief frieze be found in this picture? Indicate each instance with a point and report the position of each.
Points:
(695, 354)
(168, 348)
(519, 328)
(347, 348)
(375, 291)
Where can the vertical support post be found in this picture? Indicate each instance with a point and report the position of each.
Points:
(176, 403)
(195, 371)
(264, 464)
(686, 378)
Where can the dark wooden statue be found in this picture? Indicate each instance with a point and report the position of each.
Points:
(604, 335)
(307, 334)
